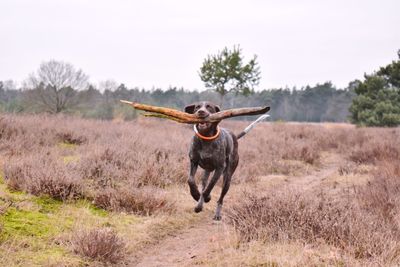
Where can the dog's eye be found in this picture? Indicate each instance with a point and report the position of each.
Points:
(196, 107)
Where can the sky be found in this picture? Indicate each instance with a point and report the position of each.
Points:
(162, 43)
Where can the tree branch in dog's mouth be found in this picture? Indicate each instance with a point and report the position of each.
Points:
(183, 117)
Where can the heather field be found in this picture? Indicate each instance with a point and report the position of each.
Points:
(77, 192)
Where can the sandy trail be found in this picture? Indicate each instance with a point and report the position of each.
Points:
(329, 167)
(190, 246)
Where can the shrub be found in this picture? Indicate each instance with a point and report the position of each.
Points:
(43, 176)
(302, 151)
(109, 164)
(8, 129)
(142, 201)
(374, 151)
(69, 137)
(286, 216)
(101, 244)
(382, 194)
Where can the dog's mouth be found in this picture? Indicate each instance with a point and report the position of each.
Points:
(203, 125)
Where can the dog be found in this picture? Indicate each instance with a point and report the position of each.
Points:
(214, 149)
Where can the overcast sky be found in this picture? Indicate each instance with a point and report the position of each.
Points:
(162, 43)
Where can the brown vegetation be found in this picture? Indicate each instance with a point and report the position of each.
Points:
(363, 221)
(288, 216)
(69, 158)
(43, 174)
(101, 244)
(143, 201)
(131, 168)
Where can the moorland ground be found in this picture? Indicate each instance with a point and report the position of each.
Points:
(77, 192)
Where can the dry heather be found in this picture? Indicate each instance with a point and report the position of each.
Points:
(101, 244)
(43, 174)
(129, 167)
(143, 201)
(288, 216)
(71, 158)
(363, 221)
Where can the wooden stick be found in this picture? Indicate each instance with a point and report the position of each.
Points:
(229, 113)
(162, 116)
(184, 117)
(180, 116)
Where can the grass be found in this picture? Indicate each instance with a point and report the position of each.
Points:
(37, 230)
(48, 204)
(67, 146)
(26, 223)
(30, 227)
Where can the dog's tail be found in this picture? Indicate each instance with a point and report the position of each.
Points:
(251, 126)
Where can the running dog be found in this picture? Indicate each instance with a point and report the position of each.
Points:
(214, 149)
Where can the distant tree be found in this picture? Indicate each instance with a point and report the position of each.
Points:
(10, 100)
(106, 109)
(5, 88)
(110, 85)
(121, 111)
(54, 86)
(225, 72)
(378, 97)
(2, 91)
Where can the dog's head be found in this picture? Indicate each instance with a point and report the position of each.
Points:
(203, 110)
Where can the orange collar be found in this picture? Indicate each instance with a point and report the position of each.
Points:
(207, 138)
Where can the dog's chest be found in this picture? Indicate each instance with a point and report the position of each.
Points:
(207, 154)
(211, 155)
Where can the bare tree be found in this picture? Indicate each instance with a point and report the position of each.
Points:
(109, 85)
(54, 86)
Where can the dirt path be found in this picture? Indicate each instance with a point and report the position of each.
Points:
(330, 164)
(191, 246)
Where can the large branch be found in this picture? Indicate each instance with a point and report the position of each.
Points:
(184, 117)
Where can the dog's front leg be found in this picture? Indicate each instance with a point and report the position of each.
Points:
(206, 193)
(194, 191)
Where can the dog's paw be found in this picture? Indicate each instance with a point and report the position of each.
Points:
(194, 192)
(207, 199)
(197, 209)
(195, 195)
(217, 217)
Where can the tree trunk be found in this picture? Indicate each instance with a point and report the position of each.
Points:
(221, 100)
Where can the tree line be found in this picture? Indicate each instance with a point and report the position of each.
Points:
(322, 102)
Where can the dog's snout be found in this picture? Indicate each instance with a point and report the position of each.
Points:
(202, 113)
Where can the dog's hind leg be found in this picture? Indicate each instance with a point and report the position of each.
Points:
(204, 179)
(194, 191)
(225, 188)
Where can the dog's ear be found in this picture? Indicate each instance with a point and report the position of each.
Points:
(217, 108)
(190, 108)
